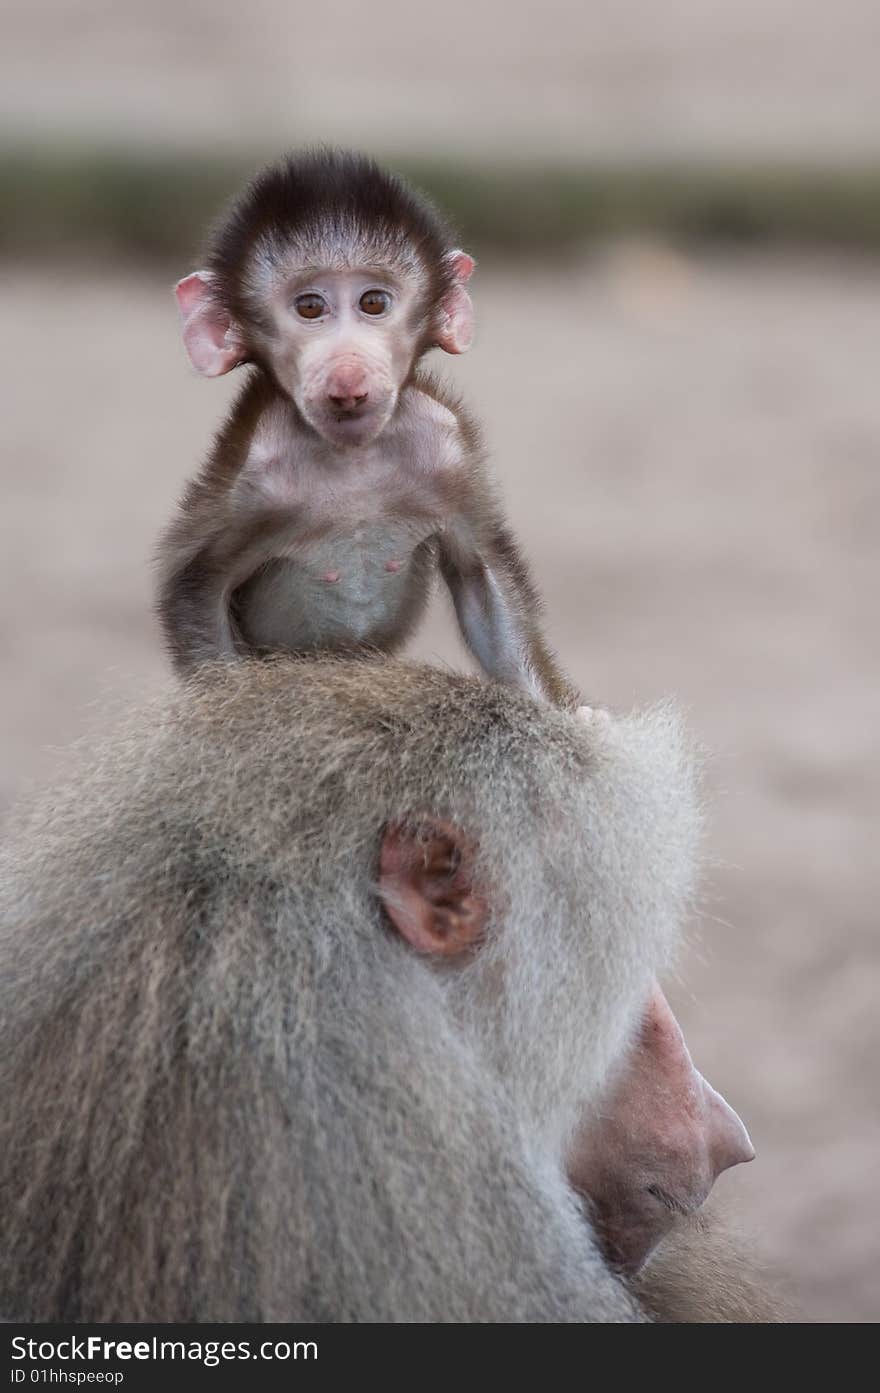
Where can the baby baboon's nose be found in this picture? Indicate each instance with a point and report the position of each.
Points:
(347, 387)
(348, 403)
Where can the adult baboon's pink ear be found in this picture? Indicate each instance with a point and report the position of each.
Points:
(456, 330)
(426, 884)
(213, 340)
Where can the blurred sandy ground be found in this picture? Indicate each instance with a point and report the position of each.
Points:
(510, 79)
(689, 450)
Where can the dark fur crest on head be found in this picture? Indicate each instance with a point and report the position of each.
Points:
(313, 191)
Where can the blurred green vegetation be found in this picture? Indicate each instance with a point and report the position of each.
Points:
(156, 207)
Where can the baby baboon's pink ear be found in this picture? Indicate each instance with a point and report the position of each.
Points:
(456, 330)
(213, 340)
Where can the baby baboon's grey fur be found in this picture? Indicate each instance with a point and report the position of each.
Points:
(230, 1092)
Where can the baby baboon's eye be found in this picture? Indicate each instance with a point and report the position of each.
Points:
(375, 301)
(310, 306)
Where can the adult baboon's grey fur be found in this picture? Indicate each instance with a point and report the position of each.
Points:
(706, 1273)
(230, 1092)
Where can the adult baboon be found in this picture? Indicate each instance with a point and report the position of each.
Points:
(307, 982)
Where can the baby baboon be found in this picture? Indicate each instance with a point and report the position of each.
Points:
(343, 475)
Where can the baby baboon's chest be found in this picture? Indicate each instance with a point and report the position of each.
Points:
(346, 587)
